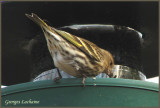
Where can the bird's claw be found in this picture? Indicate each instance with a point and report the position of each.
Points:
(83, 81)
(57, 79)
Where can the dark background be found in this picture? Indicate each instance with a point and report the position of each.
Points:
(17, 29)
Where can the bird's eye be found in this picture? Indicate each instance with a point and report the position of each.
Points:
(111, 63)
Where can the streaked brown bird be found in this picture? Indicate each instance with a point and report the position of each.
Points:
(74, 55)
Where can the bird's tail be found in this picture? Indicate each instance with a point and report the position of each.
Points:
(38, 20)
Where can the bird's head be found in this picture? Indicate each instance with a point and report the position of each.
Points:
(109, 62)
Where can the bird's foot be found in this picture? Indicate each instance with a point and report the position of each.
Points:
(59, 76)
(83, 79)
(57, 79)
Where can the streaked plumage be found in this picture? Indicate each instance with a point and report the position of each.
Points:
(74, 55)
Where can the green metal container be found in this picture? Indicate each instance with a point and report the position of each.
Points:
(106, 92)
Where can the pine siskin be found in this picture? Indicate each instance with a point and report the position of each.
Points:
(74, 55)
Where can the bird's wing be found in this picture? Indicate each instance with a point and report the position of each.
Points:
(84, 45)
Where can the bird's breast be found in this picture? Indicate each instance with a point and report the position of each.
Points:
(65, 64)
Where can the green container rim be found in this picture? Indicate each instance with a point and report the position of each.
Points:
(72, 82)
